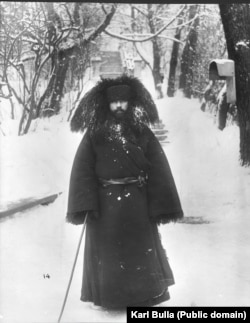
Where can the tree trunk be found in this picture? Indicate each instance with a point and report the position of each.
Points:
(156, 54)
(56, 91)
(12, 109)
(157, 69)
(173, 64)
(236, 22)
(223, 108)
(61, 59)
(189, 55)
(52, 97)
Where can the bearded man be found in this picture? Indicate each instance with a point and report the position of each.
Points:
(122, 179)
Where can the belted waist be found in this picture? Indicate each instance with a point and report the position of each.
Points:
(140, 181)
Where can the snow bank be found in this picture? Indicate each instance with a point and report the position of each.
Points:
(211, 261)
(38, 163)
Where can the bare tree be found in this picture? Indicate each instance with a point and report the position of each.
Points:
(47, 46)
(236, 22)
(21, 43)
(78, 51)
(174, 59)
(153, 27)
(188, 58)
(210, 45)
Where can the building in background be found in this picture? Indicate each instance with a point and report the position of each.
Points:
(111, 64)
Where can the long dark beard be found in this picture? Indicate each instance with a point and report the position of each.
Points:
(121, 130)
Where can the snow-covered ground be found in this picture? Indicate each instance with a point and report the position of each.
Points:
(209, 254)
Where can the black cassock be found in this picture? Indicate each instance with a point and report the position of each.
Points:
(124, 261)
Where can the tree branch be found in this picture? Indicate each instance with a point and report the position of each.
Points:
(101, 28)
(146, 38)
(139, 10)
(187, 22)
(17, 69)
(150, 35)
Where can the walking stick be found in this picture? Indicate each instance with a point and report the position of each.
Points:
(73, 269)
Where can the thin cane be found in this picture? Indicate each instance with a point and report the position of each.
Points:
(73, 269)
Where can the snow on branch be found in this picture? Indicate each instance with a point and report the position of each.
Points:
(149, 35)
(139, 10)
(108, 32)
(187, 22)
(104, 23)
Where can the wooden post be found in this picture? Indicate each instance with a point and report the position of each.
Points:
(231, 90)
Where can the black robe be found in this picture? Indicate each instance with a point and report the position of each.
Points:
(124, 261)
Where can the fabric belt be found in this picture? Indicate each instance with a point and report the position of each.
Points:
(140, 181)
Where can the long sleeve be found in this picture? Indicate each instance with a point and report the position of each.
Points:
(83, 187)
(164, 202)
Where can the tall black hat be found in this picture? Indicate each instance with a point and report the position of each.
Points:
(128, 88)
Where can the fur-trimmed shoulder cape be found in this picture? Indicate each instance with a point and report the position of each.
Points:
(92, 108)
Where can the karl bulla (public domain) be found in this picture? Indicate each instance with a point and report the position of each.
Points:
(188, 314)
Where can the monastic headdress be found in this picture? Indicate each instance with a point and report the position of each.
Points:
(118, 93)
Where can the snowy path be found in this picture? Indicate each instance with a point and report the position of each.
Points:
(210, 261)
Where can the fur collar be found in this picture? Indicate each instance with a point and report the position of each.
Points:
(93, 108)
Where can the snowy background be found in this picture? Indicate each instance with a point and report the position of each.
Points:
(209, 252)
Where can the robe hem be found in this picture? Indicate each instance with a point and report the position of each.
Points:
(164, 296)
